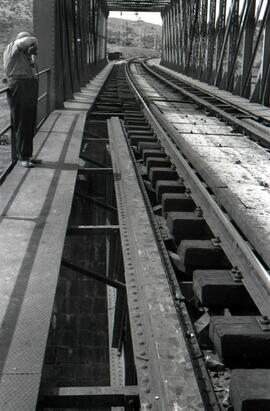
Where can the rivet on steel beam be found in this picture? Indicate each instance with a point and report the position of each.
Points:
(265, 320)
(188, 192)
(198, 212)
(216, 242)
(236, 274)
(146, 406)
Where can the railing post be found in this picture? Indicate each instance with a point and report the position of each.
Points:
(48, 92)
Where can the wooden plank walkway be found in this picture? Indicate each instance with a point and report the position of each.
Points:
(34, 210)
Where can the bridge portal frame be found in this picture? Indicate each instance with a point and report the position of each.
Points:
(72, 43)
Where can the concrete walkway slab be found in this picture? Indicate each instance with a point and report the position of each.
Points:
(35, 206)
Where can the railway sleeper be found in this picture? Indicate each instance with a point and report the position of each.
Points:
(249, 389)
(176, 202)
(168, 186)
(139, 127)
(140, 122)
(148, 145)
(214, 292)
(240, 341)
(140, 132)
(200, 254)
(219, 288)
(157, 162)
(162, 173)
(136, 139)
(152, 153)
(187, 225)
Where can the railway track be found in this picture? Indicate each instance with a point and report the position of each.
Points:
(219, 282)
(242, 119)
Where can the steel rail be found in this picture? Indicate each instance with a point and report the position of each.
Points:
(256, 277)
(247, 128)
(151, 309)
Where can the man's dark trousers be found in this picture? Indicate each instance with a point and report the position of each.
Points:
(22, 99)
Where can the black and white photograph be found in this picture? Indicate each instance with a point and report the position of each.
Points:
(135, 205)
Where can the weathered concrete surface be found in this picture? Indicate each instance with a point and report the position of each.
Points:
(236, 169)
(35, 206)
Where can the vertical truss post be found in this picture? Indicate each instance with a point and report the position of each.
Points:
(264, 98)
(244, 18)
(170, 28)
(166, 39)
(163, 57)
(181, 35)
(174, 33)
(194, 12)
(165, 36)
(221, 41)
(211, 39)
(195, 54)
(203, 39)
(177, 22)
(224, 41)
(232, 42)
(248, 45)
(254, 54)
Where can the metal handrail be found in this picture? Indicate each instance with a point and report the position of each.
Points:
(46, 94)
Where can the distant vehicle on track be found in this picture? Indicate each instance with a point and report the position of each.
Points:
(115, 55)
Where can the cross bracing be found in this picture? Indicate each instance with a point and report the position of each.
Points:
(225, 43)
(137, 5)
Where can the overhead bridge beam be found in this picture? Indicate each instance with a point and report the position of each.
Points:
(137, 5)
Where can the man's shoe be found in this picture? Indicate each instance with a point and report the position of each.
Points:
(36, 160)
(26, 163)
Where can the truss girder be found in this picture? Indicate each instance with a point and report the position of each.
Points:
(222, 42)
(137, 5)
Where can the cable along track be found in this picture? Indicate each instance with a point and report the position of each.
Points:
(225, 284)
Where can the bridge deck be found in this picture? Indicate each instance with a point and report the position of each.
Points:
(254, 108)
(35, 205)
(236, 168)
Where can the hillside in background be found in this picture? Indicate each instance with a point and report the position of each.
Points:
(132, 34)
(15, 16)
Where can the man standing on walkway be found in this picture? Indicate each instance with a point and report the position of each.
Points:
(22, 81)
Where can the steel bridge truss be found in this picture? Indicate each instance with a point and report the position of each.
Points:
(225, 43)
(137, 5)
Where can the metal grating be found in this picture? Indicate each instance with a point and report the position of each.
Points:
(137, 5)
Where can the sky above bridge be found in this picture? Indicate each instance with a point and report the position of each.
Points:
(154, 18)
